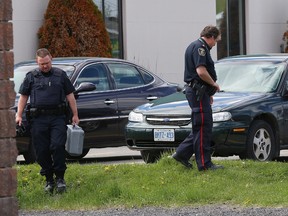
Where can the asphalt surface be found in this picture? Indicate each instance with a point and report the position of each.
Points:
(211, 210)
(125, 155)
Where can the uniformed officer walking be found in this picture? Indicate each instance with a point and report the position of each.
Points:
(200, 77)
(48, 88)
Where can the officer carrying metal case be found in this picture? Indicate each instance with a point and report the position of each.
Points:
(75, 138)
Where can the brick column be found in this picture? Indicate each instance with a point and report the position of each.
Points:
(8, 150)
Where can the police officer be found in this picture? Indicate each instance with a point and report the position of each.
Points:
(48, 88)
(200, 77)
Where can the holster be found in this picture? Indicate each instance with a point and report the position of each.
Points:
(200, 89)
(27, 113)
(33, 113)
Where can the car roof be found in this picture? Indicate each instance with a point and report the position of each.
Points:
(73, 60)
(278, 57)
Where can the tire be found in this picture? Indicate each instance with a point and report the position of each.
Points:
(151, 156)
(260, 143)
(84, 153)
(30, 155)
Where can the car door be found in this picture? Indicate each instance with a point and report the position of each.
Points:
(131, 89)
(97, 109)
(283, 129)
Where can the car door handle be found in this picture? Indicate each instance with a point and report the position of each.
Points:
(108, 102)
(152, 98)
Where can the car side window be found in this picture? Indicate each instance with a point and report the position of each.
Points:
(95, 74)
(125, 76)
(147, 77)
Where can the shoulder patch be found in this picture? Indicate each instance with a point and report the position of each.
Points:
(201, 51)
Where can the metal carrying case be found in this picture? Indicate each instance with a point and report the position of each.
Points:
(75, 139)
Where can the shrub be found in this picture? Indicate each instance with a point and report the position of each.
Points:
(74, 28)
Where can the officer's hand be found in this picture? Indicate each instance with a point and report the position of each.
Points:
(18, 120)
(216, 86)
(75, 120)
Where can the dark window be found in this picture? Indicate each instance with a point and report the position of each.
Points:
(125, 76)
(95, 74)
(231, 21)
(147, 77)
(112, 15)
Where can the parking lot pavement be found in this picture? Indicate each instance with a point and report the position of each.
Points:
(111, 152)
(125, 154)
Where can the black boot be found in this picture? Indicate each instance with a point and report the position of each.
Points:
(60, 185)
(60, 182)
(49, 188)
(50, 184)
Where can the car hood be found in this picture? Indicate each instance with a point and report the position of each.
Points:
(176, 104)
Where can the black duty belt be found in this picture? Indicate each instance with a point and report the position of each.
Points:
(35, 112)
(51, 111)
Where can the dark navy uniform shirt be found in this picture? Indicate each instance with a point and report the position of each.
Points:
(46, 89)
(198, 54)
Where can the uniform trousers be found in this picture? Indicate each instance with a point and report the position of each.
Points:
(199, 140)
(49, 134)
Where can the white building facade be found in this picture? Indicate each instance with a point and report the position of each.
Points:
(155, 33)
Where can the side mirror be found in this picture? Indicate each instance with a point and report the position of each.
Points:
(85, 86)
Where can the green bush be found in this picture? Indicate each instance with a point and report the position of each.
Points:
(74, 28)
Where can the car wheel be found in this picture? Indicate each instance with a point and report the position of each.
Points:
(260, 142)
(151, 156)
(84, 153)
(30, 155)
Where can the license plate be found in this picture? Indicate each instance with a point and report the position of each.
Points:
(164, 135)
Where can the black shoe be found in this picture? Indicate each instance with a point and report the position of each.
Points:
(186, 163)
(60, 185)
(215, 167)
(50, 185)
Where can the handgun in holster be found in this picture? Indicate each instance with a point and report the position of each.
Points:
(200, 89)
(27, 113)
(34, 112)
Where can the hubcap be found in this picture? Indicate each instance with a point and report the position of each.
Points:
(262, 144)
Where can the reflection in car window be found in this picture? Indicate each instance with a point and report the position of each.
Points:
(125, 76)
(95, 74)
(69, 69)
(249, 76)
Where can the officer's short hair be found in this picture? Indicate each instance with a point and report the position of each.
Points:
(42, 52)
(210, 31)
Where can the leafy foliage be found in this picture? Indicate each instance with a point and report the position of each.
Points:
(74, 28)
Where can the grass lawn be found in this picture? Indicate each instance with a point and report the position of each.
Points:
(166, 184)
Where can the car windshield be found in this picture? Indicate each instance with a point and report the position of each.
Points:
(21, 70)
(249, 76)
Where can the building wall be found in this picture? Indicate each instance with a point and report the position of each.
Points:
(265, 25)
(8, 149)
(158, 32)
(28, 16)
